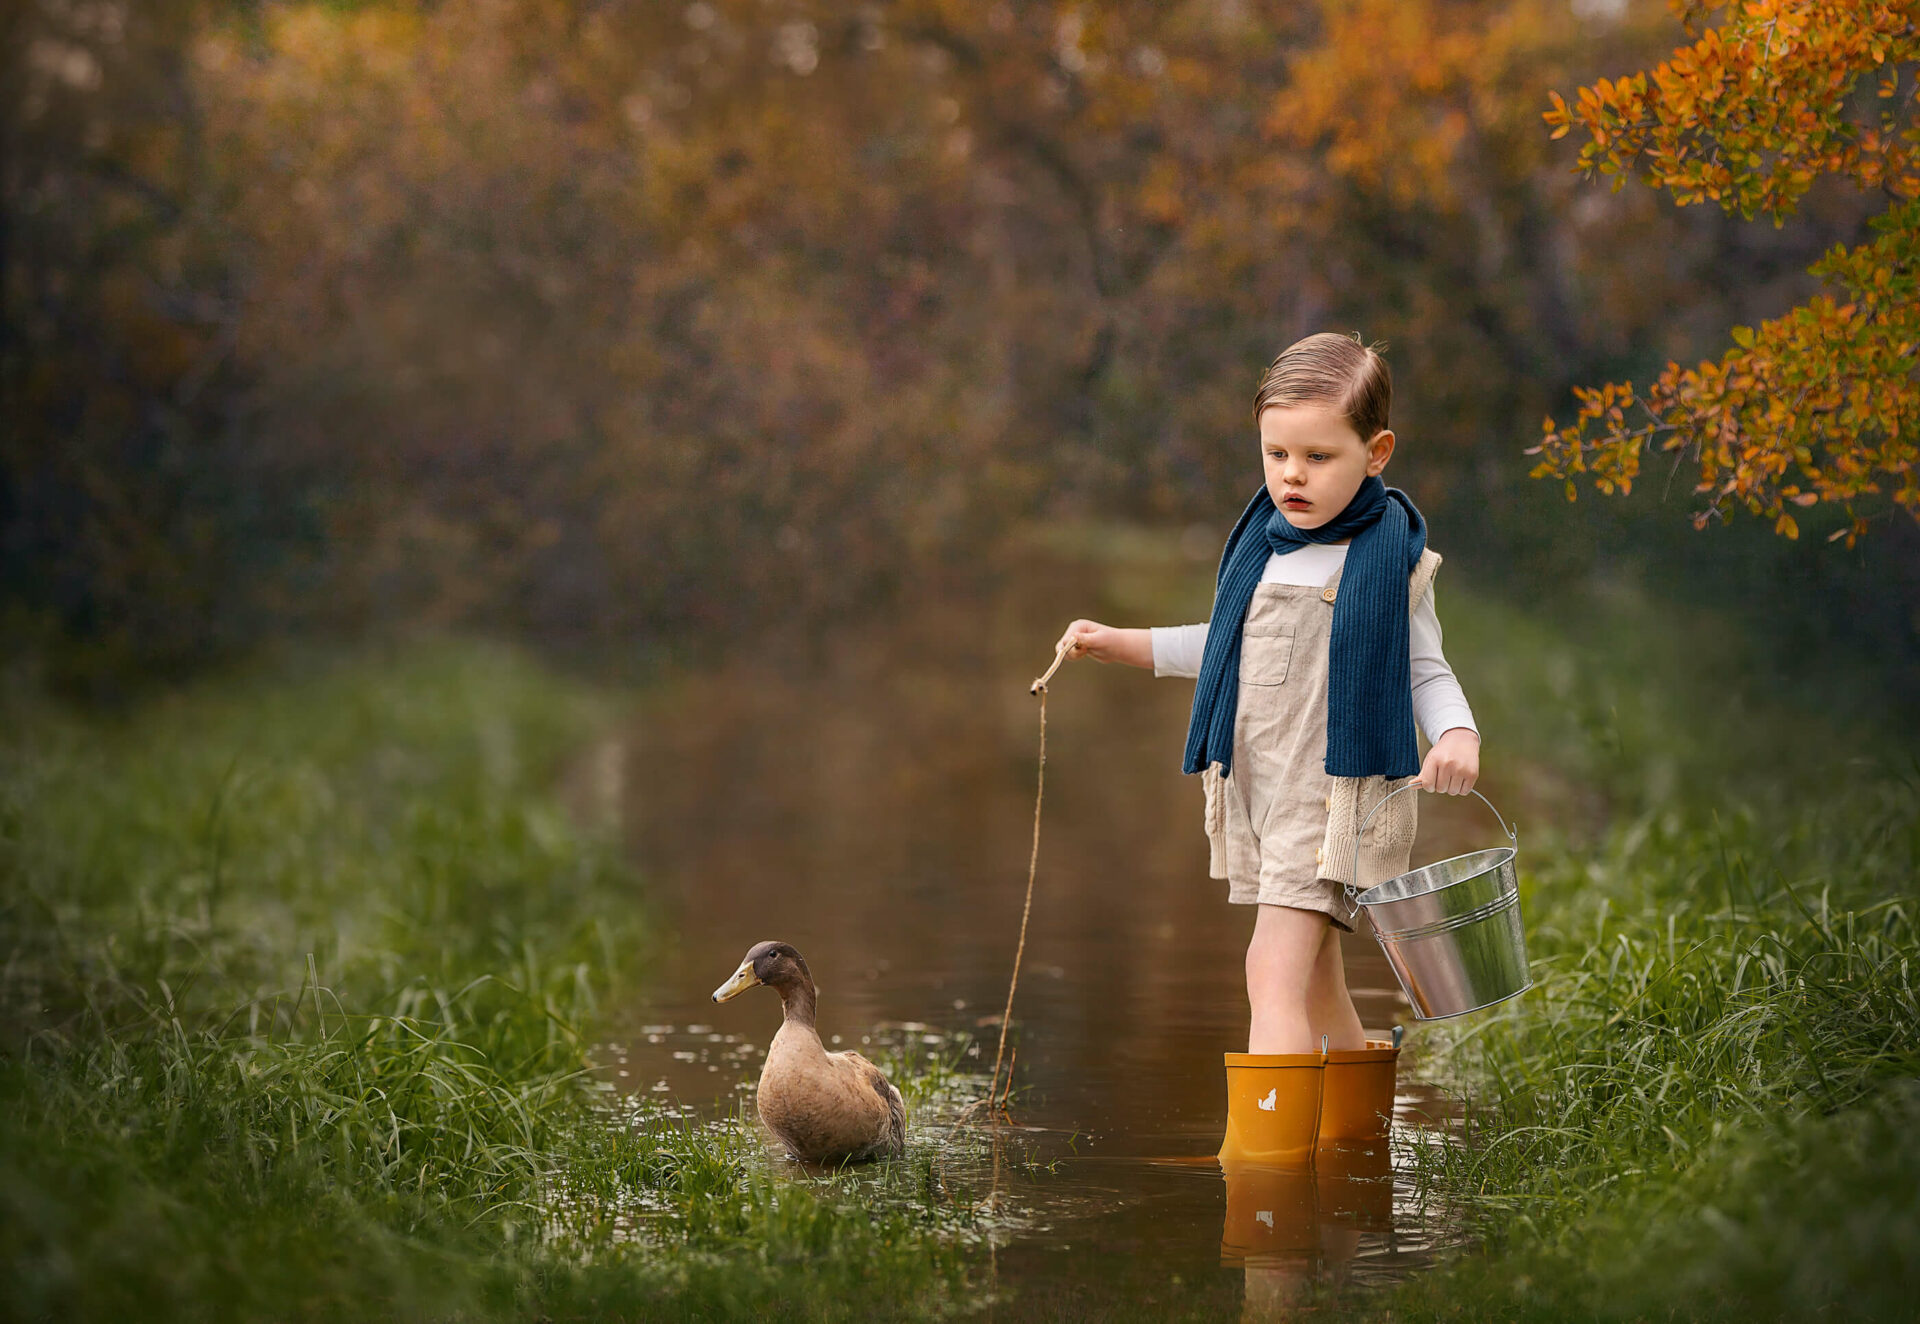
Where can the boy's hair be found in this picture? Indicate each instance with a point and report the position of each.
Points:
(1332, 370)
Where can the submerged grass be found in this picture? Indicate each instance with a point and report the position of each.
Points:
(299, 975)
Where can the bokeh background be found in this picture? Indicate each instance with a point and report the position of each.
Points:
(504, 503)
(627, 327)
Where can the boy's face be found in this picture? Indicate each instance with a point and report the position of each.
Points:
(1315, 461)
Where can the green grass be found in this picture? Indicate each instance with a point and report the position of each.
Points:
(302, 968)
(1706, 1108)
(1715, 1072)
(300, 972)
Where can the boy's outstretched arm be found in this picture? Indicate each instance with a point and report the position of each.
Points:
(1453, 764)
(1104, 643)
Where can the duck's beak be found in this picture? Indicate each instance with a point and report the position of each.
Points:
(742, 980)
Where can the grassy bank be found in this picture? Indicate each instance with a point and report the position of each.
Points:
(301, 970)
(1707, 1107)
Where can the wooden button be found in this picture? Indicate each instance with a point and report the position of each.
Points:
(1327, 594)
(1318, 853)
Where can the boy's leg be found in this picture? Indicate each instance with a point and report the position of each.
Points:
(1330, 1007)
(1282, 970)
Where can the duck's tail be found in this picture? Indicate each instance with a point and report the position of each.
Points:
(896, 1143)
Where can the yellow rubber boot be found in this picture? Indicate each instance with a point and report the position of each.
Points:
(1356, 1100)
(1273, 1108)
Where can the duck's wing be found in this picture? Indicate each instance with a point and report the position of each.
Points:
(895, 1140)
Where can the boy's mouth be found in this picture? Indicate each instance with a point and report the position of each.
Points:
(1295, 502)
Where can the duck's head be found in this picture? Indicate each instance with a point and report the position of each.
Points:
(774, 964)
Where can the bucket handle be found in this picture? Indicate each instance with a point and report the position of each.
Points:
(1353, 889)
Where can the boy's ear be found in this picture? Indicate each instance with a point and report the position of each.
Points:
(1379, 451)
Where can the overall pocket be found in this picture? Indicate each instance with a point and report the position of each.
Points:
(1266, 651)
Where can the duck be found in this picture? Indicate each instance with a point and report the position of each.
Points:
(824, 1107)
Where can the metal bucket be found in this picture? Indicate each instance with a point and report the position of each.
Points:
(1451, 931)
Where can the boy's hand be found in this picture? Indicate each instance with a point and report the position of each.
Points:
(1453, 764)
(1103, 643)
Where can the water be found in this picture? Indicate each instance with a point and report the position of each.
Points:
(870, 800)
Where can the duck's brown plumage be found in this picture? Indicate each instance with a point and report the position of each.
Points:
(824, 1107)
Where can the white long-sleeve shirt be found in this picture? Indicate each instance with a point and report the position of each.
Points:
(1439, 704)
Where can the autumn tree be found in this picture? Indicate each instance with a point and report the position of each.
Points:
(1822, 404)
(649, 321)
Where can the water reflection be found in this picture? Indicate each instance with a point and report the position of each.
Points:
(870, 802)
(1292, 1231)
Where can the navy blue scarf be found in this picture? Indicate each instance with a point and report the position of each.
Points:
(1369, 681)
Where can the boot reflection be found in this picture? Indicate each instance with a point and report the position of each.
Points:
(1290, 1228)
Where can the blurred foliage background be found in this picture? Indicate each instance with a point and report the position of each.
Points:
(628, 325)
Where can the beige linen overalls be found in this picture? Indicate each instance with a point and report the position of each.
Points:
(1281, 831)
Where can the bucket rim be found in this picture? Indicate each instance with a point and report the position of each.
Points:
(1511, 854)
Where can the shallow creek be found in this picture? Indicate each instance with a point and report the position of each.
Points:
(871, 803)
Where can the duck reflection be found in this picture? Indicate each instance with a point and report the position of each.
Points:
(1291, 1228)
